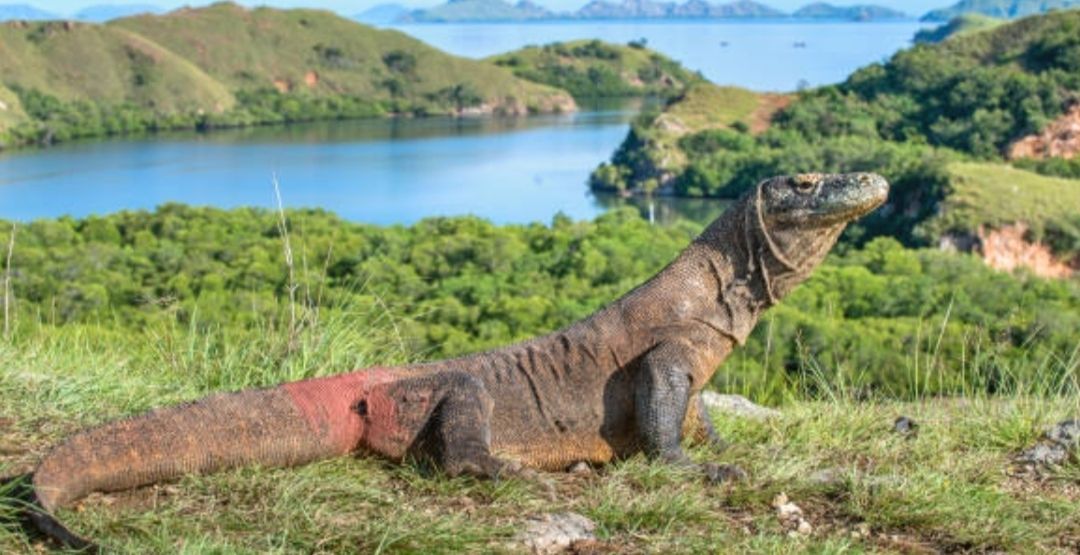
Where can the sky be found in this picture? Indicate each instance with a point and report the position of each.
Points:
(66, 7)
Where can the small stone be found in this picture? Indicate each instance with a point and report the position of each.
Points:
(1065, 433)
(580, 468)
(555, 533)
(737, 405)
(906, 427)
(1057, 444)
(791, 517)
(1043, 454)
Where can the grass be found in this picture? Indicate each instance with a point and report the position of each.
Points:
(110, 65)
(862, 487)
(995, 195)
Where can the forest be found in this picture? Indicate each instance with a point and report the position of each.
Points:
(882, 318)
(910, 118)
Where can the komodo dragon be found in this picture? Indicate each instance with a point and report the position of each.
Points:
(623, 380)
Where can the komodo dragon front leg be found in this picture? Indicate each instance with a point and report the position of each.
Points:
(663, 396)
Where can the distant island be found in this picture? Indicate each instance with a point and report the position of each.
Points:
(466, 11)
(1000, 9)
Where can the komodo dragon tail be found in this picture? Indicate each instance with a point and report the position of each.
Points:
(288, 425)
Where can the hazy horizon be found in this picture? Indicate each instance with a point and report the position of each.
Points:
(352, 7)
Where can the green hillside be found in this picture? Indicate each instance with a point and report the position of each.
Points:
(969, 97)
(958, 26)
(996, 195)
(86, 62)
(591, 68)
(225, 65)
(662, 144)
(320, 53)
(1001, 9)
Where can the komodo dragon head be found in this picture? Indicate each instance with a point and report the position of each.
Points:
(795, 220)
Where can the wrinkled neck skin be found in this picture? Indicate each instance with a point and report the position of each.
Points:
(739, 267)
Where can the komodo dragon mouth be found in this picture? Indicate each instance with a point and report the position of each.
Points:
(623, 380)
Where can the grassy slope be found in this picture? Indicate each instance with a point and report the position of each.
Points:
(702, 107)
(253, 49)
(103, 64)
(995, 194)
(567, 65)
(945, 490)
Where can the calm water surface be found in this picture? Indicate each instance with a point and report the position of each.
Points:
(758, 55)
(381, 171)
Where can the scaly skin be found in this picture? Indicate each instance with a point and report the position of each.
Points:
(623, 380)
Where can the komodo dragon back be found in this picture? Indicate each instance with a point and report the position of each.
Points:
(625, 379)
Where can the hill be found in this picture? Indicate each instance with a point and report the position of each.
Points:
(23, 12)
(1000, 9)
(591, 68)
(957, 26)
(859, 12)
(226, 65)
(73, 61)
(660, 145)
(987, 197)
(321, 54)
(970, 97)
(105, 12)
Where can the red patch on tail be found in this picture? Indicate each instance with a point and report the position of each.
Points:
(332, 406)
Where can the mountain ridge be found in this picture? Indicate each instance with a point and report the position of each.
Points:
(1000, 9)
(464, 11)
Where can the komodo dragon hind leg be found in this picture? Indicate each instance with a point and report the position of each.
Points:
(662, 400)
(458, 437)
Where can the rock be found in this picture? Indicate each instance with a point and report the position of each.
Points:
(1058, 443)
(906, 427)
(1066, 433)
(555, 533)
(580, 468)
(736, 405)
(1043, 454)
(791, 516)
